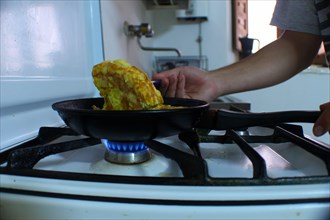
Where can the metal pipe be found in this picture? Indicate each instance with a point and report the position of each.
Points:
(157, 48)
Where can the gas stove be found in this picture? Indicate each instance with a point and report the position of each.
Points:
(264, 172)
(268, 172)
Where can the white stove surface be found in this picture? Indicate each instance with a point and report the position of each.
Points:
(223, 160)
(90, 199)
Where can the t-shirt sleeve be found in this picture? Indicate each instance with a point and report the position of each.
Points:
(294, 15)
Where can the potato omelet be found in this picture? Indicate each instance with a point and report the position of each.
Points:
(125, 87)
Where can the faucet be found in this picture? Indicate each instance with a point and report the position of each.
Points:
(145, 30)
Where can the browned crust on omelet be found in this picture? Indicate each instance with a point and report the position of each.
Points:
(125, 87)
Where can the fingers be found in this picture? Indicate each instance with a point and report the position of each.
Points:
(180, 90)
(171, 89)
(172, 83)
(325, 106)
(163, 86)
(167, 82)
(164, 82)
(322, 124)
(318, 130)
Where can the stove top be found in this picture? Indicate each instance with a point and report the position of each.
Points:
(255, 156)
(202, 174)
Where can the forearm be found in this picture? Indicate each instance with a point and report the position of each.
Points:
(273, 64)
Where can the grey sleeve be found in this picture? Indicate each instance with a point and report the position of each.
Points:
(296, 15)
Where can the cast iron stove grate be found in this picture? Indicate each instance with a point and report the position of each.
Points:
(21, 159)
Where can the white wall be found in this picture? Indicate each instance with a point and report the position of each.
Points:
(116, 44)
(216, 34)
(305, 91)
(260, 28)
(169, 32)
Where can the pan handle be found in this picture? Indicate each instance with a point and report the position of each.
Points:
(226, 119)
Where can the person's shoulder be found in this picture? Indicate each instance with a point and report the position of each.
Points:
(296, 15)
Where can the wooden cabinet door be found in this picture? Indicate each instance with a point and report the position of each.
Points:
(240, 21)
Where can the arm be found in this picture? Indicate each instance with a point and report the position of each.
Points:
(273, 64)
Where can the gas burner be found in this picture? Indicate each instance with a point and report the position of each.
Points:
(126, 152)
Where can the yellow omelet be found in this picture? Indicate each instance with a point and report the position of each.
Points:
(125, 87)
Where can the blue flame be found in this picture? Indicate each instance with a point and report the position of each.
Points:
(124, 146)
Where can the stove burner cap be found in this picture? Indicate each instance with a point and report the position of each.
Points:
(126, 152)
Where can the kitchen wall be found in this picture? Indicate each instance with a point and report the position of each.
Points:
(48, 49)
(305, 91)
(116, 44)
(216, 33)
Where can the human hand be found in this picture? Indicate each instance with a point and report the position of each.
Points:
(322, 124)
(187, 82)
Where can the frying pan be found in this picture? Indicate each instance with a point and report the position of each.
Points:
(226, 119)
(136, 125)
(141, 125)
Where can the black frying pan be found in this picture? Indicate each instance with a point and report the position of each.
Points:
(139, 125)
(144, 125)
(226, 119)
